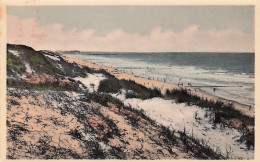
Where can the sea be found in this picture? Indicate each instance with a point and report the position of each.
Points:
(227, 75)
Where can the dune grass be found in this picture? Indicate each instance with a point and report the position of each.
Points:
(219, 108)
(220, 111)
(24, 85)
(102, 98)
(14, 63)
(192, 144)
(114, 85)
(38, 62)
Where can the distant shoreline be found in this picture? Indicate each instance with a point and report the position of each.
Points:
(163, 86)
(118, 52)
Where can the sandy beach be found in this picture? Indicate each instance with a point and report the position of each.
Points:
(163, 86)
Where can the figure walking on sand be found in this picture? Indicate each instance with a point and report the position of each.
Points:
(180, 83)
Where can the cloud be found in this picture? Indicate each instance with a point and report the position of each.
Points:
(191, 39)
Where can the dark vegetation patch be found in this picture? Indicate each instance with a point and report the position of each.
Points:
(95, 151)
(199, 148)
(16, 131)
(73, 70)
(138, 113)
(102, 98)
(52, 152)
(165, 131)
(75, 134)
(38, 62)
(13, 102)
(114, 129)
(118, 153)
(249, 139)
(42, 64)
(14, 63)
(24, 85)
(113, 85)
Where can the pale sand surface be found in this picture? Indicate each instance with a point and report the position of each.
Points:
(163, 86)
(138, 139)
(37, 128)
(33, 114)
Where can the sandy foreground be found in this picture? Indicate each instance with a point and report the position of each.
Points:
(39, 129)
(163, 86)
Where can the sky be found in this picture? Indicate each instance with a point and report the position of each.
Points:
(133, 28)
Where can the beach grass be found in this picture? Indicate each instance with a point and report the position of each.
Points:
(14, 63)
(37, 61)
(74, 70)
(24, 85)
(220, 109)
(114, 85)
(103, 99)
(190, 142)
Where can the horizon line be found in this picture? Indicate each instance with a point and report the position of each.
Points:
(82, 51)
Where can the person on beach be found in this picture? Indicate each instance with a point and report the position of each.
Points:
(180, 84)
